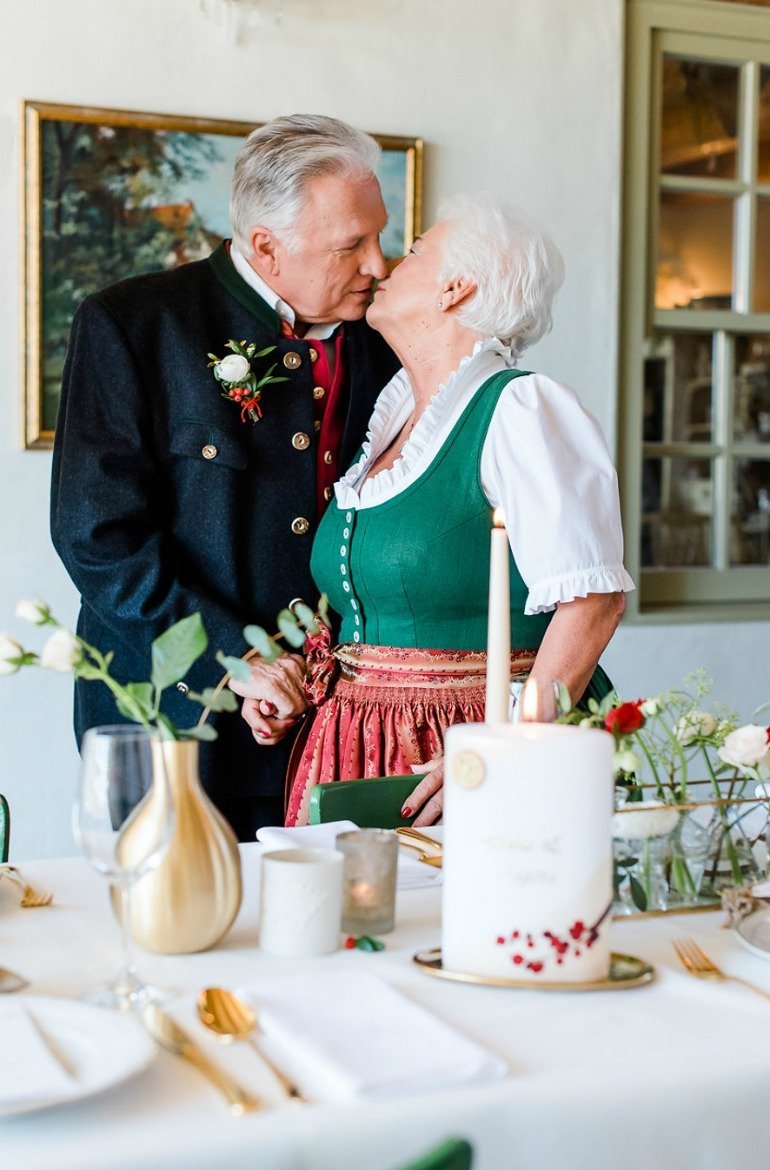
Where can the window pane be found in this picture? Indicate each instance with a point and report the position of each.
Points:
(763, 159)
(750, 526)
(695, 252)
(699, 119)
(761, 255)
(677, 389)
(752, 389)
(677, 502)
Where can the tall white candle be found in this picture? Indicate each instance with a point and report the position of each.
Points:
(527, 851)
(498, 625)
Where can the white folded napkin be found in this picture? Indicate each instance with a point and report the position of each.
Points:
(29, 1071)
(343, 1035)
(412, 873)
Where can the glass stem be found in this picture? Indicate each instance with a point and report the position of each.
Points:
(126, 977)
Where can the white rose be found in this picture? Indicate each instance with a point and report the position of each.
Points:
(746, 747)
(695, 725)
(626, 761)
(32, 609)
(61, 652)
(233, 368)
(652, 705)
(642, 819)
(9, 649)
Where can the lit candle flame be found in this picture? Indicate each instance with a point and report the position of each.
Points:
(530, 701)
(498, 518)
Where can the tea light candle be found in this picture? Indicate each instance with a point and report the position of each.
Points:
(498, 624)
(369, 880)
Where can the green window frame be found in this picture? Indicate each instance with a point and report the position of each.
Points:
(700, 31)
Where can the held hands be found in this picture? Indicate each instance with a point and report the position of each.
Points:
(274, 697)
(428, 796)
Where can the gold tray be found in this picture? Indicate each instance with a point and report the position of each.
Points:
(625, 972)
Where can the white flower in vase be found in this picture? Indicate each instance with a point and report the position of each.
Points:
(61, 652)
(747, 747)
(32, 609)
(642, 819)
(10, 650)
(695, 725)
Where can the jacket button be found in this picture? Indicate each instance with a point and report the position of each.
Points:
(318, 392)
(313, 355)
(328, 493)
(209, 451)
(292, 360)
(300, 526)
(328, 457)
(317, 424)
(301, 441)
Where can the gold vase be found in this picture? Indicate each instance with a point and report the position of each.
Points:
(190, 901)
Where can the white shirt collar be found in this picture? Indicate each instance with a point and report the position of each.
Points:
(285, 311)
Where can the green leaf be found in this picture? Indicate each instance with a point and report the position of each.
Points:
(306, 617)
(141, 695)
(291, 629)
(366, 943)
(224, 701)
(202, 731)
(265, 352)
(637, 893)
(174, 652)
(166, 727)
(564, 700)
(213, 357)
(235, 667)
(260, 640)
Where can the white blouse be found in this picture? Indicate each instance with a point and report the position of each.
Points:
(545, 463)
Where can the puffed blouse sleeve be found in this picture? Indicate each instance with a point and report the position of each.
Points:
(545, 463)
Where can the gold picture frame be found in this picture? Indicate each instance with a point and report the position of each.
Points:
(111, 193)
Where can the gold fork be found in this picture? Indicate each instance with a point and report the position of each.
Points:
(30, 897)
(699, 964)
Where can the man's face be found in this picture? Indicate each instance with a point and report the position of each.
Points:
(336, 256)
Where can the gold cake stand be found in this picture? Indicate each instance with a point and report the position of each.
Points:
(626, 972)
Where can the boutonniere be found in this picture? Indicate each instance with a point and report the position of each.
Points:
(238, 380)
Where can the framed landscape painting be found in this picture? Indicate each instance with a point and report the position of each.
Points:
(113, 193)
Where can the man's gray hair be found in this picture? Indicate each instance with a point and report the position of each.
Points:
(277, 161)
(516, 267)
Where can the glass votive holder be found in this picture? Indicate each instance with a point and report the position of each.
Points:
(369, 880)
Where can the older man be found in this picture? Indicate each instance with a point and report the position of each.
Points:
(171, 494)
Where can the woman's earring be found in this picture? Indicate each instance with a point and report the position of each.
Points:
(440, 304)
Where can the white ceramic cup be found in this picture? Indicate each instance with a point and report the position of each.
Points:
(301, 904)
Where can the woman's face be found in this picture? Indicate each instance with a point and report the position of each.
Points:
(409, 296)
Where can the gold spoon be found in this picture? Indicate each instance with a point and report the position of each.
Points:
(232, 1019)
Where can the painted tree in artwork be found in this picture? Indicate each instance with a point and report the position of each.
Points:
(111, 209)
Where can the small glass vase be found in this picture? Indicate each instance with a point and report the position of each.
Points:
(691, 846)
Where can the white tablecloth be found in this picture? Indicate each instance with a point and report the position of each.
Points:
(675, 1076)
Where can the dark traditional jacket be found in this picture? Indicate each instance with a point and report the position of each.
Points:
(165, 503)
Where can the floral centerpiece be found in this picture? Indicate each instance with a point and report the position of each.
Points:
(692, 807)
(190, 901)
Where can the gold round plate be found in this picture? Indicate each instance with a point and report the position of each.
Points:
(626, 972)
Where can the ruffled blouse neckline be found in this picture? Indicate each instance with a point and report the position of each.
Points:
(393, 406)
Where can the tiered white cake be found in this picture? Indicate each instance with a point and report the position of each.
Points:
(527, 851)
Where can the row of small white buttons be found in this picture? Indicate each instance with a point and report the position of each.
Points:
(343, 571)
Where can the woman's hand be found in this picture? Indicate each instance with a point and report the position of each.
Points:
(274, 697)
(428, 796)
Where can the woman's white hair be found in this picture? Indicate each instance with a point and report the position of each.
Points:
(278, 159)
(516, 267)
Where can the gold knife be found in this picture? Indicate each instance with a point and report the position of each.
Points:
(174, 1039)
(408, 831)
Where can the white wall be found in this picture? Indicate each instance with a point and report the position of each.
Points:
(521, 96)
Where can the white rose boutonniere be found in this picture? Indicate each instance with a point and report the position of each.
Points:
(238, 379)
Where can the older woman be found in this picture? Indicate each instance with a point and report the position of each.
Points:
(403, 552)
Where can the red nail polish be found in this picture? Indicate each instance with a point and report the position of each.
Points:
(406, 812)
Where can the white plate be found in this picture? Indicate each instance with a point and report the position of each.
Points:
(754, 932)
(102, 1047)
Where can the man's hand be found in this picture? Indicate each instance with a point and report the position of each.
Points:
(428, 795)
(274, 697)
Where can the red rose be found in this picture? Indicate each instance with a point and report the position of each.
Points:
(626, 718)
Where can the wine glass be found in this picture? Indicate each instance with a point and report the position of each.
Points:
(536, 700)
(123, 820)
